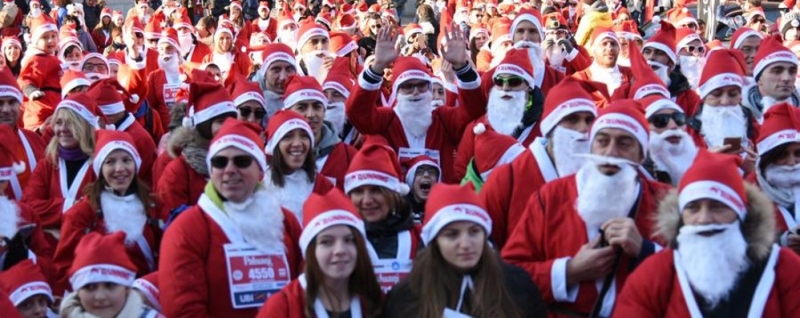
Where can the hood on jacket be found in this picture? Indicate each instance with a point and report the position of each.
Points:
(758, 226)
(189, 144)
(327, 142)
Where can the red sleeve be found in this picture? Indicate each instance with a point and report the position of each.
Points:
(135, 84)
(7, 308)
(472, 106)
(483, 61)
(648, 288)
(291, 227)
(580, 62)
(786, 282)
(276, 306)
(362, 112)
(173, 187)
(322, 185)
(31, 73)
(496, 196)
(76, 221)
(37, 195)
(466, 150)
(155, 102)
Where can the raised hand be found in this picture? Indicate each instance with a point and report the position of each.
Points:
(386, 50)
(455, 50)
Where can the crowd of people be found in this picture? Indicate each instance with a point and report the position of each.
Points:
(515, 159)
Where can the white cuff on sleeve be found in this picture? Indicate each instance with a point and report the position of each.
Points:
(469, 85)
(133, 64)
(657, 248)
(450, 87)
(558, 282)
(571, 56)
(367, 85)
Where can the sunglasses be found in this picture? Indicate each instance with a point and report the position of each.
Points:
(762, 21)
(408, 88)
(375, 26)
(258, 113)
(512, 81)
(700, 49)
(662, 120)
(242, 161)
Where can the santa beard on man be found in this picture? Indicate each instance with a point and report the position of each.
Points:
(672, 151)
(260, 220)
(597, 190)
(506, 109)
(415, 112)
(691, 66)
(662, 71)
(313, 62)
(555, 55)
(712, 264)
(335, 115)
(781, 183)
(720, 122)
(537, 56)
(126, 214)
(170, 63)
(9, 217)
(566, 144)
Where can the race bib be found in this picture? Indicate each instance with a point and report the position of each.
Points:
(170, 92)
(449, 313)
(409, 153)
(254, 276)
(390, 272)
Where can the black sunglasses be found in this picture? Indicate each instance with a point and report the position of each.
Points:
(513, 81)
(242, 161)
(258, 113)
(700, 49)
(662, 120)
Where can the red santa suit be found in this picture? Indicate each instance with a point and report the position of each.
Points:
(599, 74)
(197, 53)
(161, 94)
(42, 72)
(334, 165)
(270, 27)
(29, 148)
(290, 302)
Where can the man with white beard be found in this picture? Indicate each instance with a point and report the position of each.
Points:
(574, 229)
(337, 87)
(672, 150)
(287, 31)
(313, 43)
(568, 113)
(279, 64)
(413, 127)
(660, 52)
(527, 33)
(721, 260)
(604, 47)
(691, 55)
(191, 50)
(775, 70)
(778, 170)
(164, 83)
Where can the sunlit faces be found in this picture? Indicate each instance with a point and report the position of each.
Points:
(507, 82)
(235, 174)
(104, 300)
(461, 244)
(372, 202)
(606, 52)
(777, 80)
(294, 147)
(693, 48)
(526, 31)
(480, 40)
(12, 53)
(664, 120)
(95, 68)
(34, 307)
(313, 111)
(424, 179)
(118, 170)
(438, 92)
(707, 211)
(63, 129)
(656, 55)
(336, 252)
(9, 111)
(224, 42)
(251, 111)
(475, 16)
(578, 121)
(749, 47)
(315, 43)
(166, 49)
(334, 96)
(276, 75)
(618, 143)
(724, 96)
(73, 54)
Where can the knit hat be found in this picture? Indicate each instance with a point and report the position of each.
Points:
(645, 81)
(569, 96)
(275, 52)
(339, 78)
(110, 140)
(531, 15)
(516, 62)
(243, 91)
(9, 86)
(724, 67)
(781, 125)
(714, 176)
(308, 29)
(742, 34)
(101, 259)
(375, 164)
(280, 124)
(683, 36)
(408, 68)
(25, 280)
(655, 103)
(415, 163)
(71, 80)
(451, 203)
(771, 51)
(83, 105)
(301, 88)
(170, 36)
(664, 40)
(9, 167)
(148, 285)
(41, 24)
(323, 211)
(342, 43)
(240, 135)
(207, 100)
(108, 95)
(623, 114)
(493, 149)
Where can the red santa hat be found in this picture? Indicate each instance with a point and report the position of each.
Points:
(97, 56)
(243, 91)
(656, 103)
(115, 14)
(110, 266)
(207, 100)
(601, 33)
(531, 15)
(8, 85)
(348, 9)
(415, 163)
(264, 5)
(338, 78)
(108, 95)
(9, 167)
(148, 286)
(724, 67)
(153, 29)
(105, 13)
(41, 24)
(10, 40)
(478, 29)
(183, 21)
(664, 40)
(647, 82)
(299, 4)
(623, 114)
(408, 68)
(714, 176)
(411, 29)
(781, 126)
(628, 30)
(680, 16)
(342, 43)
(375, 164)
(283, 122)
(323, 211)
(133, 25)
(239, 135)
(110, 140)
(71, 80)
(25, 280)
(83, 105)
(569, 96)
(742, 34)
(493, 149)
(516, 62)
(302, 88)
(347, 22)
(308, 29)
(772, 51)
(235, 4)
(452, 203)
(275, 52)
(389, 14)
(324, 19)
(755, 12)
(285, 18)
(683, 36)
(501, 33)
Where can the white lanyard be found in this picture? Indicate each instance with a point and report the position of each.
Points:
(546, 166)
(126, 123)
(70, 192)
(524, 134)
(466, 282)
(403, 246)
(224, 222)
(15, 185)
(148, 253)
(319, 308)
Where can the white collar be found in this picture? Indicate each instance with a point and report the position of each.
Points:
(597, 69)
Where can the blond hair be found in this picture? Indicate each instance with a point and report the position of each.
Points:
(81, 130)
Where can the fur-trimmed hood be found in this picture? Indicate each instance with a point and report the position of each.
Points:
(758, 226)
(189, 144)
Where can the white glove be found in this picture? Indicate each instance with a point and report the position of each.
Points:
(36, 94)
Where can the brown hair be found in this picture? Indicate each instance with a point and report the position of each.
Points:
(362, 283)
(278, 168)
(437, 285)
(94, 189)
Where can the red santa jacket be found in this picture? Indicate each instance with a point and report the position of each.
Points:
(443, 135)
(577, 61)
(101, 39)
(509, 187)
(198, 53)
(41, 248)
(290, 302)
(179, 184)
(586, 75)
(44, 72)
(155, 96)
(466, 148)
(144, 145)
(654, 290)
(82, 219)
(551, 229)
(241, 63)
(271, 29)
(192, 269)
(151, 62)
(28, 148)
(334, 165)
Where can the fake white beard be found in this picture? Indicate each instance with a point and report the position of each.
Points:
(623, 61)
(260, 220)
(125, 214)
(35, 13)
(536, 56)
(416, 116)
(334, 114)
(662, 71)
(94, 77)
(555, 55)
(186, 42)
(713, 264)
(720, 122)
(691, 66)
(313, 61)
(297, 17)
(567, 143)
(782, 176)
(75, 66)
(458, 18)
(596, 190)
(288, 37)
(9, 217)
(674, 159)
(171, 67)
(767, 102)
(437, 103)
(506, 116)
(294, 192)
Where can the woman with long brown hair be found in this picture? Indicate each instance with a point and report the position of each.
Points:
(102, 31)
(458, 273)
(338, 280)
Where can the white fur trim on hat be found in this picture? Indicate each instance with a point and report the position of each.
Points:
(102, 273)
(97, 161)
(689, 38)
(411, 173)
(664, 103)
(303, 38)
(7, 173)
(29, 290)
(211, 112)
(774, 57)
(506, 68)
(114, 108)
(10, 91)
(608, 34)
(248, 96)
(168, 40)
(41, 30)
(337, 87)
(370, 177)
(779, 138)
(565, 109)
(276, 57)
(651, 89)
(720, 80)
(150, 291)
(78, 81)
(707, 189)
(325, 220)
(239, 142)
(347, 49)
(78, 109)
(747, 33)
(530, 18)
(284, 129)
(454, 213)
(304, 95)
(685, 21)
(624, 122)
(661, 47)
(511, 153)
(413, 31)
(407, 76)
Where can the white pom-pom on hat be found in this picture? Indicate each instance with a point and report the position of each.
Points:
(479, 129)
(134, 98)
(656, 19)
(403, 189)
(187, 122)
(19, 167)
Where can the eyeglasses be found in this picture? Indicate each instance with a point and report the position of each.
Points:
(700, 49)
(258, 113)
(431, 171)
(662, 120)
(243, 161)
(100, 67)
(408, 88)
(375, 26)
(139, 35)
(692, 26)
(512, 81)
(758, 20)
